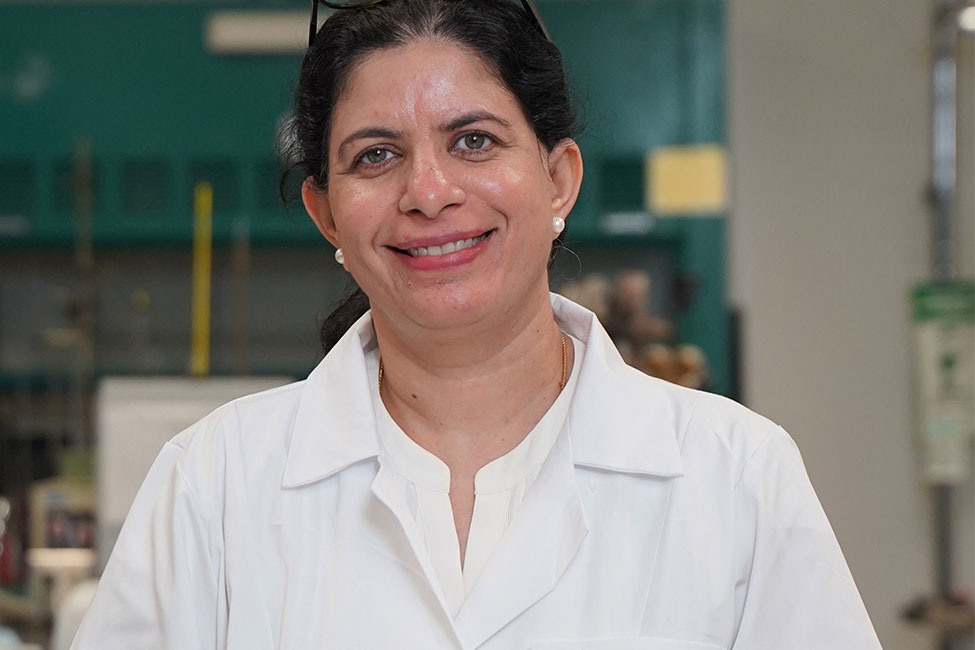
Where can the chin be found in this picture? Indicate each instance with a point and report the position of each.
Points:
(453, 309)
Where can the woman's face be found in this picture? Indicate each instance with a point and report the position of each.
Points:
(439, 194)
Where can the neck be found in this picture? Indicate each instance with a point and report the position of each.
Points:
(471, 396)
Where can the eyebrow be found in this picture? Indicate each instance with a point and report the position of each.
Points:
(368, 132)
(469, 118)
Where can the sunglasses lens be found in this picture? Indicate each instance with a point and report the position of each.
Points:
(528, 6)
(347, 4)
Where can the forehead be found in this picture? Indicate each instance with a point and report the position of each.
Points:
(425, 78)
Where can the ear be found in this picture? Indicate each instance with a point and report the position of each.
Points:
(319, 209)
(565, 169)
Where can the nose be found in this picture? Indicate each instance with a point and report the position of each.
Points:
(429, 189)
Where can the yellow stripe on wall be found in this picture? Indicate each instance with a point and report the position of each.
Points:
(202, 269)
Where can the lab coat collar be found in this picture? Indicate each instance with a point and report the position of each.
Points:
(620, 420)
(334, 426)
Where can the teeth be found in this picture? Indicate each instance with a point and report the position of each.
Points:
(449, 247)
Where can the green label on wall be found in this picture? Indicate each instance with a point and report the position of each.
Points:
(952, 301)
(944, 335)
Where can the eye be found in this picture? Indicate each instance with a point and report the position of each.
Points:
(374, 156)
(475, 141)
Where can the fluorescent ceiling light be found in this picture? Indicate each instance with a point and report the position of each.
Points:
(257, 32)
(966, 19)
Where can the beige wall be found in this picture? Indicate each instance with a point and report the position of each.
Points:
(828, 103)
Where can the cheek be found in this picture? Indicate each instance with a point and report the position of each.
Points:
(520, 195)
(522, 198)
(504, 182)
(357, 213)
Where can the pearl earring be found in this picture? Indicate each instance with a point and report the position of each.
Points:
(339, 256)
(558, 224)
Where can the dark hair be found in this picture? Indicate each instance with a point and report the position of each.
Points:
(497, 31)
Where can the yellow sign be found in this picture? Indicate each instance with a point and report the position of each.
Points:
(689, 180)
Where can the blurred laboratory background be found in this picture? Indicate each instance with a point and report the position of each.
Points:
(778, 207)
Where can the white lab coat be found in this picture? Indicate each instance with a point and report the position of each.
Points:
(663, 519)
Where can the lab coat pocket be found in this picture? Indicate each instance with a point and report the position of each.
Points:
(625, 643)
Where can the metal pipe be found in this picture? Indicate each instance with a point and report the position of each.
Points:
(944, 116)
(83, 189)
(944, 84)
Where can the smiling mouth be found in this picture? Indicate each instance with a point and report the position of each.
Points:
(444, 249)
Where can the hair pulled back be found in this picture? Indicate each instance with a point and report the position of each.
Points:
(497, 31)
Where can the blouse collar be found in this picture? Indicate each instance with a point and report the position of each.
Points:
(425, 469)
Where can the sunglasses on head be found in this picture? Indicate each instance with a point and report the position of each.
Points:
(362, 4)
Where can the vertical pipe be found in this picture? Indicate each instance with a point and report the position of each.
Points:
(944, 82)
(241, 261)
(202, 270)
(83, 180)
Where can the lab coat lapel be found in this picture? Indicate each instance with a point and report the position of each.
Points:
(531, 557)
(617, 423)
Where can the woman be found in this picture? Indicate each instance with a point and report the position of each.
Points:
(471, 465)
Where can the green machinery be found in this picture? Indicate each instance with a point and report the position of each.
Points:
(122, 104)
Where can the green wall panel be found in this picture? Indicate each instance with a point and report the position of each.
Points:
(137, 83)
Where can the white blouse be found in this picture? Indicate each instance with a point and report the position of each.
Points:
(499, 487)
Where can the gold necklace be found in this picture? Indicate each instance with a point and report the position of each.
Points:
(565, 368)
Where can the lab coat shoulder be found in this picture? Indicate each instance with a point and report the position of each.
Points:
(721, 434)
(743, 492)
(170, 545)
(166, 583)
(242, 442)
(789, 563)
(702, 428)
